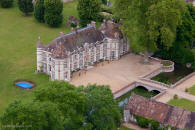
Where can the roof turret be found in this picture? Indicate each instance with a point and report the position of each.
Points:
(39, 44)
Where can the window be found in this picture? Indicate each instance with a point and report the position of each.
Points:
(86, 62)
(49, 58)
(53, 75)
(75, 65)
(92, 58)
(92, 49)
(81, 55)
(75, 56)
(50, 68)
(65, 65)
(105, 45)
(124, 47)
(105, 53)
(65, 75)
(44, 67)
(53, 65)
(81, 63)
(44, 58)
(113, 55)
(105, 50)
(97, 53)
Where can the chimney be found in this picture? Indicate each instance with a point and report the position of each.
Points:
(93, 23)
(61, 34)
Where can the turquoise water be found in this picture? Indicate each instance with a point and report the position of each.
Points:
(24, 85)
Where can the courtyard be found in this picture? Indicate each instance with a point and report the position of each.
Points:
(116, 74)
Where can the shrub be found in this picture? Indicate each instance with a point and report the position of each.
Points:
(26, 6)
(88, 10)
(53, 12)
(39, 10)
(104, 2)
(6, 3)
(154, 125)
(186, 90)
(142, 122)
(162, 79)
(175, 96)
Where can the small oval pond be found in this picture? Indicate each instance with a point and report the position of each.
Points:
(24, 84)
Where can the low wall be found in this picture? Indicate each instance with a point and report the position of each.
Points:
(133, 85)
(183, 80)
(149, 87)
(124, 90)
(159, 95)
(163, 68)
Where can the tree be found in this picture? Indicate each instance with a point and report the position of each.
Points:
(147, 22)
(102, 110)
(104, 2)
(88, 11)
(92, 107)
(53, 12)
(39, 10)
(70, 102)
(191, 9)
(180, 52)
(32, 115)
(63, 106)
(26, 6)
(6, 3)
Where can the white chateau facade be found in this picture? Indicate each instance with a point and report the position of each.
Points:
(80, 49)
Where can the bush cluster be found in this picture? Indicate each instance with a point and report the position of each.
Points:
(26, 6)
(49, 11)
(6, 3)
(146, 123)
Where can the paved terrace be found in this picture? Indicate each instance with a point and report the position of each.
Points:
(116, 74)
(179, 90)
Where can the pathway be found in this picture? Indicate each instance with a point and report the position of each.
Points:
(133, 126)
(179, 90)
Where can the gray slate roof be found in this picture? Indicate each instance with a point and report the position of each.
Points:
(72, 41)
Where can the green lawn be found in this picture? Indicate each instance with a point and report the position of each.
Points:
(183, 103)
(18, 37)
(192, 90)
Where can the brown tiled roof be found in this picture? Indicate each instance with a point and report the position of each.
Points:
(164, 113)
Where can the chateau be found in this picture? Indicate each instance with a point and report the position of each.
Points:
(80, 49)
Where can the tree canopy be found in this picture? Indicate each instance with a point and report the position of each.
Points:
(88, 11)
(6, 3)
(26, 6)
(53, 12)
(70, 102)
(32, 116)
(147, 22)
(39, 10)
(63, 106)
(102, 111)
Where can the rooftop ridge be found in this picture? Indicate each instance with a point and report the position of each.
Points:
(80, 30)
